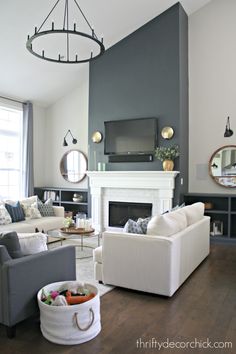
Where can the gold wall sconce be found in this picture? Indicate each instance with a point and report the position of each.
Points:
(97, 137)
(167, 133)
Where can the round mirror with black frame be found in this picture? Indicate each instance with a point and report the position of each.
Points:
(222, 166)
(73, 166)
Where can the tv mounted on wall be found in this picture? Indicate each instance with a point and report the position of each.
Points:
(131, 136)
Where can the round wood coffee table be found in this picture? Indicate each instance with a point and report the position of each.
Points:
(64, 234)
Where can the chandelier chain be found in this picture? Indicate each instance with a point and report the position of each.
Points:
(85, 19)
(48, 16)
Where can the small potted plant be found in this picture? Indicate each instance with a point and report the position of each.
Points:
(167, 155)
(68, 222)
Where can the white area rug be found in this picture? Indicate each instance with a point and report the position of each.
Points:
(84, 266)
(85, 273)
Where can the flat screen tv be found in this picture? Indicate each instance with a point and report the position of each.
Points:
(130, 136)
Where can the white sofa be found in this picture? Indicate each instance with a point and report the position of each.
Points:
(44, 223)
(155, 264)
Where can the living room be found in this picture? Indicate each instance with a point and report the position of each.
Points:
(168, 60)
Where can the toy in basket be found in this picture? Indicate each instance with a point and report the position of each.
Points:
(69, 312)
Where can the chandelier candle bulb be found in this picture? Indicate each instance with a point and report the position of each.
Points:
(52, 26)
(74, 26)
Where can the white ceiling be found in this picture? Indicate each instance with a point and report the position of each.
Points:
(25, 77)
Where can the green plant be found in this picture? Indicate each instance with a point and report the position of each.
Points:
(68, 221)
(167, 153)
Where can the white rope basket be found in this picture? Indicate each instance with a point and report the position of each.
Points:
(73, 324)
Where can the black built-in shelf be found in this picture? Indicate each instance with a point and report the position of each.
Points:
(223, 209)
(64, 197)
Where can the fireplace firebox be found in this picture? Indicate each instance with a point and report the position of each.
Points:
(120, 212)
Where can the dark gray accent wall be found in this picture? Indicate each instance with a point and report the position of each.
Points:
(144, 75)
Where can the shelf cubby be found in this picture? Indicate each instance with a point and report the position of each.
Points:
(219, 207)
(64, 197)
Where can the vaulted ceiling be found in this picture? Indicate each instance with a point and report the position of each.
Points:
(26, 77)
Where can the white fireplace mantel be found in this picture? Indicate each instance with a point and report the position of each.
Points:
(156, 187)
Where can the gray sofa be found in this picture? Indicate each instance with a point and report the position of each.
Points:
(45, 223)
(21, 278)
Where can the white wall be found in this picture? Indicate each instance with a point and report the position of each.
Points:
(39, 126)
(70, 112)
(212, 88)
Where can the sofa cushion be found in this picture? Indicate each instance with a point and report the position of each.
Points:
(143, 223)
(21, 226)
(16, 212)
(10, 240)
(31, 210)
(137, 227)
(194, 212)
(29, 200)
(46, 223)
(133, 227)
(167, 224)
(30, 207)
(5, 217)
(46, 209)
(32, 242)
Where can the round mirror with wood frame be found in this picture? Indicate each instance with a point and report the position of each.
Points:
(222, 166)
(73, 166)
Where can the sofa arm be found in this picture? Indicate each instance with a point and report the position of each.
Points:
(4, 255)
(59, 211)
(138, 262)
(22, 278)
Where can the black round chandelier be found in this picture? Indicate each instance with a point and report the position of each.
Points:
(66, 36)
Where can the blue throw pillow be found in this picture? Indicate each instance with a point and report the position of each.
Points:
(132, 227)
(16, 212)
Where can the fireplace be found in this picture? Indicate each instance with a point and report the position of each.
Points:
(120, 212)
(155, 188)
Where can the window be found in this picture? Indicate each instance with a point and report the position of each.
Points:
(10, 152)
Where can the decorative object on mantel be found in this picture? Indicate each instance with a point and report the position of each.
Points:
(228, 132)
(167, 133)
(167, 155)
(97, 137)
(66, 52)
(74, 141)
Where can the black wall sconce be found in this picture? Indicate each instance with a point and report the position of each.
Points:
(74, 141)
(228, 132)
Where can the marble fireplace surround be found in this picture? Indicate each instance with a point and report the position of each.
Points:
(156, 187)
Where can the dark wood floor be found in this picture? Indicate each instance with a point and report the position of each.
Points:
(204, 307)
